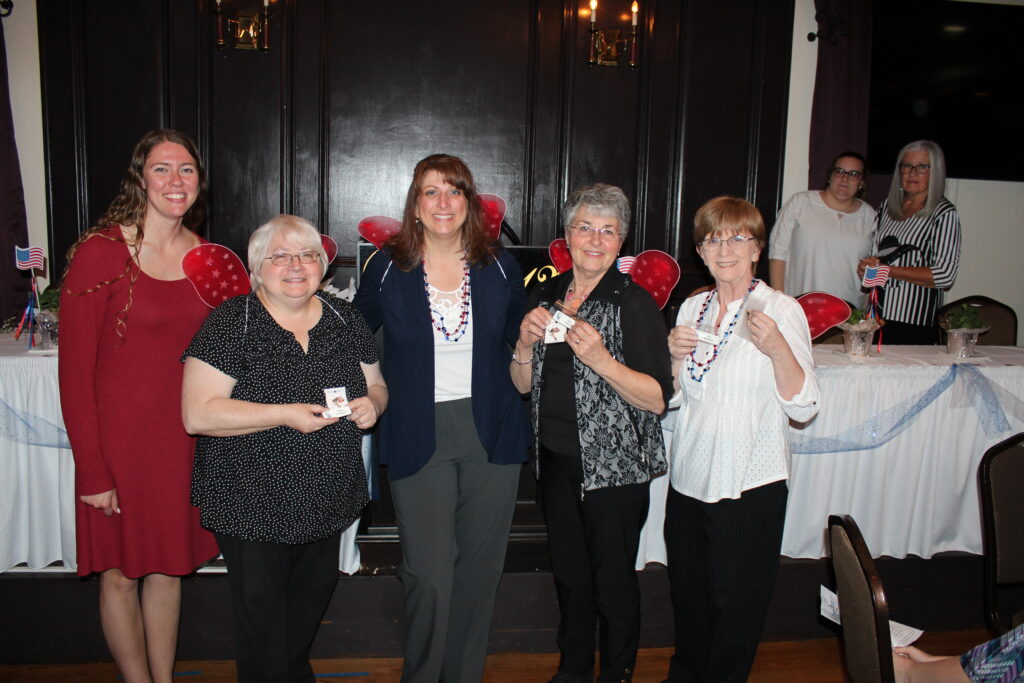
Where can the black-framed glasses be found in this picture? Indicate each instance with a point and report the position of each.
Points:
(282, 259)
(840, 172)
(585, 230)
(920, 169)
(715, 243)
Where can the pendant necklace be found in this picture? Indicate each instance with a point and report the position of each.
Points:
(573, 301)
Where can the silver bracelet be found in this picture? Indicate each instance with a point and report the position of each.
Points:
(521, 362)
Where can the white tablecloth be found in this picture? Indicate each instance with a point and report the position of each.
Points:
(37, 476)
(37, 472)
(916, 492)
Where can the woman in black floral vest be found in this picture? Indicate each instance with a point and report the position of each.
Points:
(596, 400)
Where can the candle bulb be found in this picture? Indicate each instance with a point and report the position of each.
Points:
(593, 11)
(266, 3)
(635, 8)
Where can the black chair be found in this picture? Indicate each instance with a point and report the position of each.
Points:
(865, 612)
(1001, 487)
(998, 317)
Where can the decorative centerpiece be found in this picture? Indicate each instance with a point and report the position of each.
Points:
(962, 325)
(47, 319)
(857, 332)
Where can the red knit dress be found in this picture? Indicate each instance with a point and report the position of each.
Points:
(121, 402)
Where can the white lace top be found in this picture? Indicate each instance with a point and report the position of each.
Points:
(453, 360)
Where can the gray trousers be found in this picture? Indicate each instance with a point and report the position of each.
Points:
(453, 517)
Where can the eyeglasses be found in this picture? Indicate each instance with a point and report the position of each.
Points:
(587, 231)
(920, 169)
(840, 172)
(282, 259)
(715, 243)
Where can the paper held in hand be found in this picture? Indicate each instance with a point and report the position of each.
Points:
(899, 634)
(561, 322)
(336, 399)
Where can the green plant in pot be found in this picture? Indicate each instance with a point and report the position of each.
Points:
(48, 302)
(50, 298)
(857, 332)
(859, 321)
(965, 317)
(963, 325)
(47, 318)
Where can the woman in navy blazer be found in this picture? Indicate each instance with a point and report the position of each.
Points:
(455, 434)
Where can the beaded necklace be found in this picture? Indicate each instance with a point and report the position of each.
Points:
(438, 320)
(692, 364)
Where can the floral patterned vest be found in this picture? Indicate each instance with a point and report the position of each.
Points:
(619, 443)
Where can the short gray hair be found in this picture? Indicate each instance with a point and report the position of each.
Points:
(936, 179)
(260, 239)
(602, 199)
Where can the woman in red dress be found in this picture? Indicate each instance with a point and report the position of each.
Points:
(127, 314)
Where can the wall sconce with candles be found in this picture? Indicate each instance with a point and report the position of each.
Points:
(250, 30)
(604, 43)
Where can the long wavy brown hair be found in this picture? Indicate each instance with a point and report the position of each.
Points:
(129, 208)
(407, 245)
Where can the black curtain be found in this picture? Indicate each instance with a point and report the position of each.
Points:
(842, 86)
(14, 284)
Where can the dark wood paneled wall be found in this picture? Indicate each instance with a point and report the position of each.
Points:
(329, 123)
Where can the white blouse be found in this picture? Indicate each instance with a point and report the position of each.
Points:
(731, 435)
(821, 246)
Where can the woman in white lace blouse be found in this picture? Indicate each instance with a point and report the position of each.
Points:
(738, 381)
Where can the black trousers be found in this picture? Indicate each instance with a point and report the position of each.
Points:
(279, 593)
(723, 559)
(593, 544)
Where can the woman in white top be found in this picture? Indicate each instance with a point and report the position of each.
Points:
(820, 235)
(730, 453)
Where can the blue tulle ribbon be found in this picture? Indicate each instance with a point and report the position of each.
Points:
(23, 427)
(990, 401)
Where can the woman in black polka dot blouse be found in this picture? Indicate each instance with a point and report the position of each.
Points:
(274, 479)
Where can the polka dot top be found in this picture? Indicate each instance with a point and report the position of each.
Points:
(279, 485)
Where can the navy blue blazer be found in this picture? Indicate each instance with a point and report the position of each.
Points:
(398, 301)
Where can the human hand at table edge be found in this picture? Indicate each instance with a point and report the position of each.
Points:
(106, 501)
(912, 665)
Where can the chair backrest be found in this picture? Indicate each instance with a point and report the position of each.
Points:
(1000, 484)
(864, 611)
(998, 317)
(833, 336)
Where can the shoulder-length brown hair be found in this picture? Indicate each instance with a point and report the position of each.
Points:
(129, 208)
(407, 245)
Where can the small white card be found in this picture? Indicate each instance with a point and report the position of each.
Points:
(704, 334)
(560, 323)
(706, 337)
(899, 634)
(336, 400)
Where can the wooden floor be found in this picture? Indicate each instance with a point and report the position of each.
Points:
(808, 661)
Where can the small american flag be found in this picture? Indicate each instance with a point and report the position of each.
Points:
(28, 258)
(876, 276)
(625, 264)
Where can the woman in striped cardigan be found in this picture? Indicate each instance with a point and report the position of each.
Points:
(919, 217)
